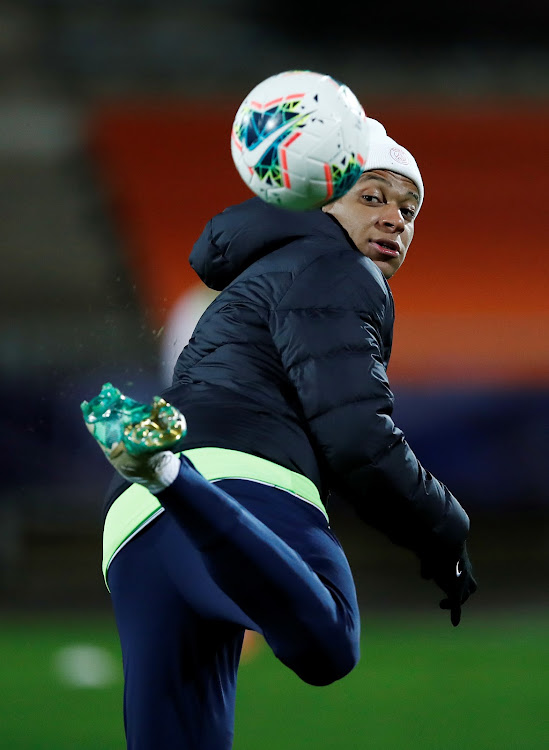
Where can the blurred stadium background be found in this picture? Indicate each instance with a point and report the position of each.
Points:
(114, 151)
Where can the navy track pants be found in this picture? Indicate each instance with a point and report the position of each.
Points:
(224, 557)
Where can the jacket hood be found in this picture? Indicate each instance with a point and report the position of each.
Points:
(244, 233)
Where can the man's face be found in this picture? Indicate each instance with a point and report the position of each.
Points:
(378, 214)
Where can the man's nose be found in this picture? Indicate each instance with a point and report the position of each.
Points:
(391, 218)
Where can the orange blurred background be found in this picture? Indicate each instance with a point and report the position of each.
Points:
(472, 300)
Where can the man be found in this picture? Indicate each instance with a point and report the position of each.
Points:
(285, 393)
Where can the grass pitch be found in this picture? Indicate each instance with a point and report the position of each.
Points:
(420, 684)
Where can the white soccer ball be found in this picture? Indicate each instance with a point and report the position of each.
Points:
(299, 139)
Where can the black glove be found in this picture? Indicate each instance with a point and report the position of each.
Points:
(453, 573)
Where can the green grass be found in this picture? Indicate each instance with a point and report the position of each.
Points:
(40, 711)
(420, 684)
(483, 685)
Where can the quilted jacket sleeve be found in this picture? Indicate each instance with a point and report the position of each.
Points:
(329, 331)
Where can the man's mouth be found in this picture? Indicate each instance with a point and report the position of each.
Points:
(386, 247)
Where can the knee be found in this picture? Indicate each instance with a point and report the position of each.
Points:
(329, 662)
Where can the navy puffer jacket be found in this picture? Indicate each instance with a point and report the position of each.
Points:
(289, 363)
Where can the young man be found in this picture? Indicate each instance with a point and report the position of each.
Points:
(285, 393)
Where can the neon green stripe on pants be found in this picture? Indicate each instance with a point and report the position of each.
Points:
(136, 507)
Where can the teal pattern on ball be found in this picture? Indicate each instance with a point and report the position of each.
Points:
(345, 176)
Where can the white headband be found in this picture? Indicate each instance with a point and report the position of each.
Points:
(385, 153)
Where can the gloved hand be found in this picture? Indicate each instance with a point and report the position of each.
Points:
(453, 573)
(155, 471)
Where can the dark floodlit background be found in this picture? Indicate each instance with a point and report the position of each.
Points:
(114, 151)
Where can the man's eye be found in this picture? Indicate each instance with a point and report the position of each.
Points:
(370, 198)
(408, 213)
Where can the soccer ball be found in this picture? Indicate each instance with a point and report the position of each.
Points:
(299, 139)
